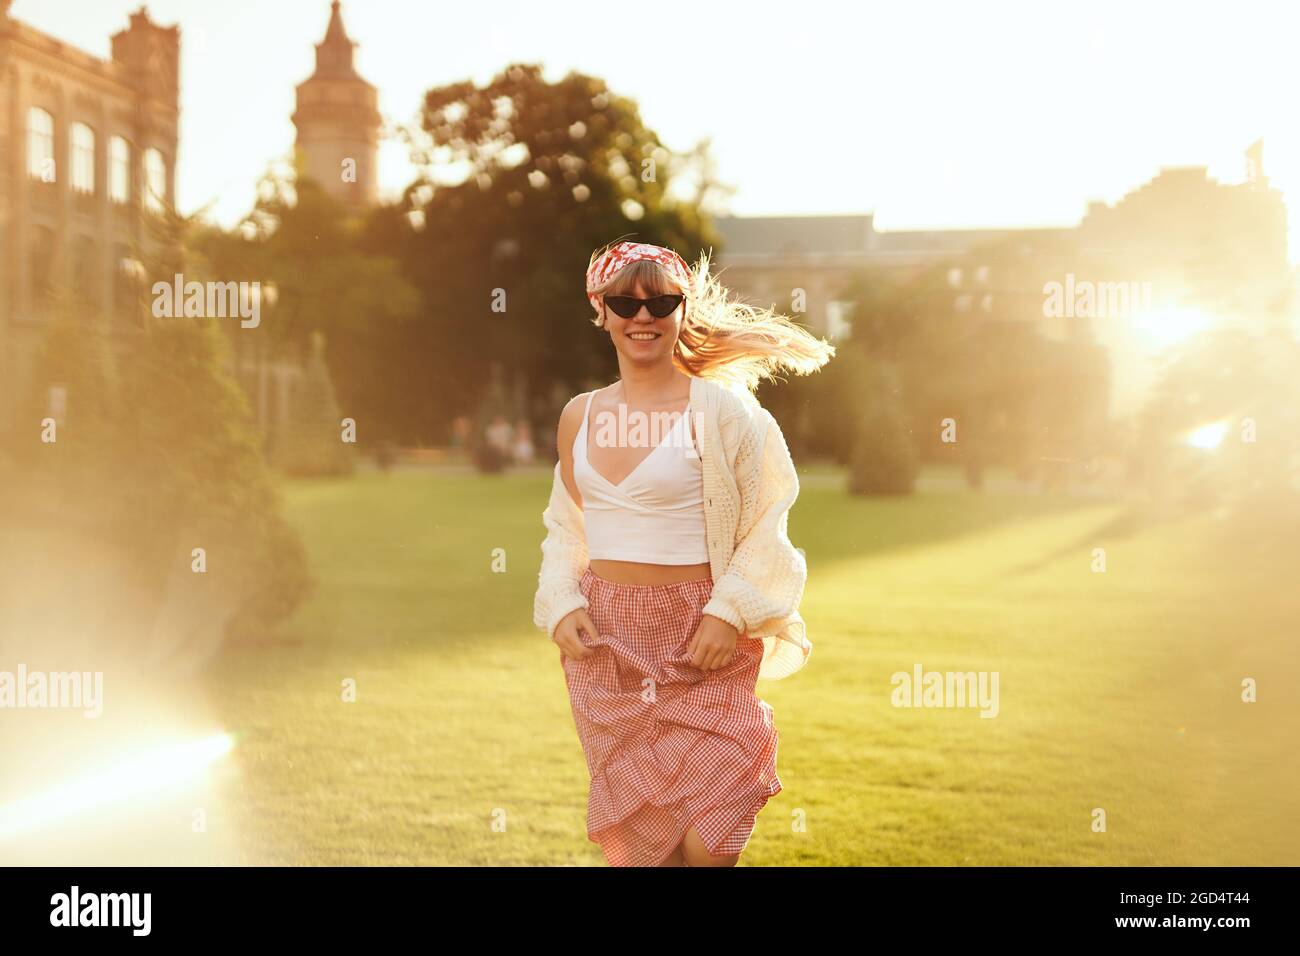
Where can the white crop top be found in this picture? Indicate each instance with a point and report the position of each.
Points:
(656, 514)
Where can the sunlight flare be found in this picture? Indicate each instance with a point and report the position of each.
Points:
(150, 772)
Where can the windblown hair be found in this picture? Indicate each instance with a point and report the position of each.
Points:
(721, 339)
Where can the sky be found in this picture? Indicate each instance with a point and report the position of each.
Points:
(928, 114)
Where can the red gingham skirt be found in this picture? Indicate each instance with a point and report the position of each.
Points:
(668, 745)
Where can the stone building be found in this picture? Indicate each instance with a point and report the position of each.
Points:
(1191, 244)
(338, 122)
(766, 257)
(87, 155)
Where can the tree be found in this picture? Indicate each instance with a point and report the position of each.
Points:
(553, 172)
(332, 277)
(150, 464)
(884, 457)
(196, 478)
(1222, 428)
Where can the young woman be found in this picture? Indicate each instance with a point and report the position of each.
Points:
(668, 580)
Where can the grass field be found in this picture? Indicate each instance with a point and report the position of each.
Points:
(1118, 690)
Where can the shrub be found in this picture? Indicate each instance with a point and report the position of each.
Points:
(152, 466)
(310, 444)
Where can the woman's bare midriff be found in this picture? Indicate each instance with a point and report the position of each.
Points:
(635, 572)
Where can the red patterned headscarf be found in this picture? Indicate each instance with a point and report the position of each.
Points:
(605, 266)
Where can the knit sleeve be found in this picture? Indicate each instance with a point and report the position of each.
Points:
(564, 558)
(760, 591)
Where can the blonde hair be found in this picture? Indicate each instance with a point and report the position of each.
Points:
(722, 339)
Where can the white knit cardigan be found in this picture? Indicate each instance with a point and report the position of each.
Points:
(750, 484)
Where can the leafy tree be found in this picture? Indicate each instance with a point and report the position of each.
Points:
(331, 277)
(196, 478)
(883, 460)
(965, 335)
(155, 455)
(553, 171)
(1222, 426)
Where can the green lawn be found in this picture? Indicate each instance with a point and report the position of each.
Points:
(1118, 690)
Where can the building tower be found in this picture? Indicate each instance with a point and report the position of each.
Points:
(337, 119)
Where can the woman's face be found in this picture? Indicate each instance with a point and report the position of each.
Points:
(643, 339)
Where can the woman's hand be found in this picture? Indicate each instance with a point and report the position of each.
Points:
(567, 636)
(714, 643)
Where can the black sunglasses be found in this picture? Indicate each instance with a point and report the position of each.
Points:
(661, 306)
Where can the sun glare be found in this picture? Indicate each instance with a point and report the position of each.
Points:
(150, 772)
(1208, 437)
(1162, 328)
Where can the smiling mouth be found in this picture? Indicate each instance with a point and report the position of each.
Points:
(643, 336)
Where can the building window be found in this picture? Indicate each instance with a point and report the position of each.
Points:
(83, 158)
(40, 145)
(119, 170)
(155, 181)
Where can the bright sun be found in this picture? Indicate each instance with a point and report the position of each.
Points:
(1161, 328)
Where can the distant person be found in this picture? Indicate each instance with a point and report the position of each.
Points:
(669, 573)
(524, 452)
(499, 434)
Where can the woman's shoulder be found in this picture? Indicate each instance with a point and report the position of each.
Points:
(571, 419)
(572, 410)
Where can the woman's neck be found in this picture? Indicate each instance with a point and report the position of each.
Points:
(657, 383)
